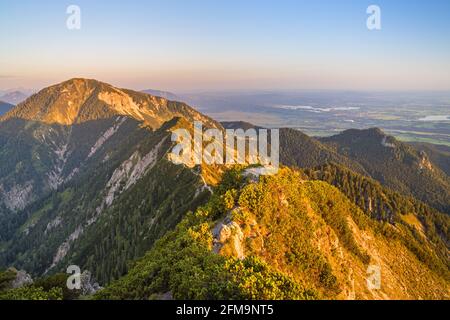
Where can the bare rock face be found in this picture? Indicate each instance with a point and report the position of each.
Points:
(425, 162)
(81, 100)
(88, 287)
(230, 233)
(65, 247)
(387, 142)
(17, 197)
(53, 224)
(106, 135)
(22, 279)
(130, 172)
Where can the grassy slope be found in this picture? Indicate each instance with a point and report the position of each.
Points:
(301, 239)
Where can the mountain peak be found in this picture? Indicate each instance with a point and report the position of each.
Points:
(80, 85)
(163, 94)
(82, 82)
(367, 137)
(79, 100)
(370, 132)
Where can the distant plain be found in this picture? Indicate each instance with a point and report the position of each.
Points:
(409, 116)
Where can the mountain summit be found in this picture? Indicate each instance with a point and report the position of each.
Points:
(84, 156)
(80, 100)
(50, 137)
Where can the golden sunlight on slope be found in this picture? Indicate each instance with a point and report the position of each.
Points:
(81, 100)
(310, 231)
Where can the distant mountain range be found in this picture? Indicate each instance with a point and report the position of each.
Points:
(14, 97)
(85, 180)
(163, 94)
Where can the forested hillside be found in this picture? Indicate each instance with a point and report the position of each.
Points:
(281, 237)
(86, 180)
(395, 164)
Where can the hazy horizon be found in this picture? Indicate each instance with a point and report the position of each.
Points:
(210, 46)
(231, 91)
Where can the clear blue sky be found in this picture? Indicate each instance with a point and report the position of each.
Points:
(228, 44)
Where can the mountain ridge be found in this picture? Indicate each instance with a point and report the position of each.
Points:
(280, 237)
(163, 94)
(395, 164)
(79, 100)
(56, 163)
(14, 97)
(90, 183)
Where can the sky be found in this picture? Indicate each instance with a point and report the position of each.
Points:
(195, 45)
